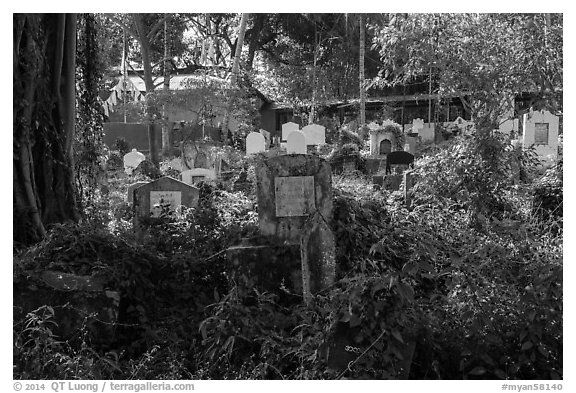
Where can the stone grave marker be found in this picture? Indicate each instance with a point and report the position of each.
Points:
(131, 188)
(315, 134)
(267, 138)
(287, 128)
(427, 132)
(176, 164)
(295, 207)
(417, 125)
(296, 143)
(411, 143)
(541, 131)
(78, 302)
(132, 160)
(166, 192)
(409, 181)
(255, 143)
(195, 175)
(509, 126)
(399, 158)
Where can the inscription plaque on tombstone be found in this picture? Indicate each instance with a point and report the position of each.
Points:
(294, 196)
(541, 131)
(158, 199)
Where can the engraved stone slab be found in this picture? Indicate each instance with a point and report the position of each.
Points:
(305, 166)
(294, 196)
(160, 199)
(169, 190)
(541, 130)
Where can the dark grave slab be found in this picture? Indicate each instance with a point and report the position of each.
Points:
(77, 301)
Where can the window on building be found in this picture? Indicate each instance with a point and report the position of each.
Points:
(541, 133)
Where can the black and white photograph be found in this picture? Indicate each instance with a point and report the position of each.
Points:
(325, 196)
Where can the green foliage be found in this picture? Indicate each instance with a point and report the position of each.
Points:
(121, 145)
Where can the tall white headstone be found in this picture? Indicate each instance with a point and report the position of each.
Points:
(541, 131)
(296, 143)
(132, 160)
(315, 134)
(255, 143)
(287, 128)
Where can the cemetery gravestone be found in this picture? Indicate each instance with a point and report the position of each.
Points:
(401, 158)
(417, 125)
(296, 143)
(315, 134)
(132, 160)
(195, 175)
(408, 184)
(166, 192)
(295, 206)
(427, 132)
(176, 164)
(541, 131)
(267, 138)
(287, 129)
(255, 143)
(131, 188)
(78, 301)
(509, 126)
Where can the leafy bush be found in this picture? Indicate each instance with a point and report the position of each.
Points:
(121, 145)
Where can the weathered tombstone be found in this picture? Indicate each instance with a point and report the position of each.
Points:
(201, 160)
(427, 132)
(287, 129)
(385, 147)
(402, 158)
(417, 125)
(165, 193)
(509, 126)
(381, 142)
(255, 143)
(295, 206)
(315, 134)
(131, 188)
(296, 143)
(176, 164)
(132, 160)
(541, 131)
(267, 138)
(77, 301)
(408, 184)
(411, 143)
(199, 154)
(195, 175)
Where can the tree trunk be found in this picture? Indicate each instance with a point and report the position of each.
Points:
(149, 84)
(44, 118)
(233, 76)
(166, 143)
(361, 76)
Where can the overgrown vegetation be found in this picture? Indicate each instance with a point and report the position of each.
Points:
(472, 274)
